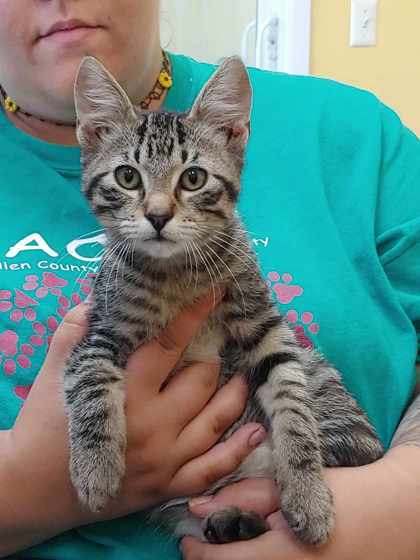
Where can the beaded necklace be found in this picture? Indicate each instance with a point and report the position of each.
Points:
(163, 82)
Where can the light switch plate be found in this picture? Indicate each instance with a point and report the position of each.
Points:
(364, 21)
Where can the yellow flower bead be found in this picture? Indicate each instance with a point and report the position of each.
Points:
(165, 80)
(10, 105)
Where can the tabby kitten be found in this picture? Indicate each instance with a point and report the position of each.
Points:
(165, 187)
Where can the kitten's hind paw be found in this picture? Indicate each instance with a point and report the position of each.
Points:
(309, 511)
(232, 524)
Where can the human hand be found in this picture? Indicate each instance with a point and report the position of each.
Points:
(377, 507)
(171, 429)
(168, 434)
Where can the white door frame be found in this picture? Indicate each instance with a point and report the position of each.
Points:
(291, 24)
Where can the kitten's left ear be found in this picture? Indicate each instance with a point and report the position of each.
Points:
(225, 102)
(101, 103)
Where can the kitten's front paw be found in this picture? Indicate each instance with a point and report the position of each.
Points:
(309, 511)
(232, 524)
(96, 475)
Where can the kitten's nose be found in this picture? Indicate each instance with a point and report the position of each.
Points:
(159, 221)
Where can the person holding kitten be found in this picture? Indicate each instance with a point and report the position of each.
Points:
(330, 194)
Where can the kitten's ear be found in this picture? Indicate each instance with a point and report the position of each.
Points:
(225, 101)
(101, 103)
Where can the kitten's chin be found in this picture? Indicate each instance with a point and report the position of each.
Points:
(159, 249)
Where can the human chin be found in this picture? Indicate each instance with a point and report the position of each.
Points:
(65, 48)
(61, 66)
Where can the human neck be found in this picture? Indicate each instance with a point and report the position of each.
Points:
(49, 132)
(52, 133)
(66, 134)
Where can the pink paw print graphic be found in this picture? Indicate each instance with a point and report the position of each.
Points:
(299, 324)
(85, 287)
(43, 334)
(53, 284)
(5, 303)
(11, 354)
(50, 284)
(16, 350)
(22, 391)
(23, 305)
(285, 291)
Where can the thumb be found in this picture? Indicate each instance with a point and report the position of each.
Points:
(259, 495)
(68, 334)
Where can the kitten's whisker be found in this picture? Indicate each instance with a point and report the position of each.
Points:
(91, 233)
(243, 239)
(224, 245)
(81, 237)
(185, 254)
(118, 262)
(209, 232)
(109, 251)
(217, 268)
(107, 258)
(99, 266)
(238, 240)
(115, 259)
(208, 269)
(133, 246)
(187, 247)
(232, 227)
(83, 275)
(196, 263)
(235, 280)
(66, 254)
(122, 261)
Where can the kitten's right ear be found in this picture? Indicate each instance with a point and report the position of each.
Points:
(101, 103)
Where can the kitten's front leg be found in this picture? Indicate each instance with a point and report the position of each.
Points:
(306, 501)
(94, 396)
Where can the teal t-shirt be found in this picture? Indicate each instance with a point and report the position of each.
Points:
(331, 198)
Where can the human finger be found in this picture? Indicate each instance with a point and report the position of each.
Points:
(211, 423)
(277, 522)
(187, 394)
(157, 358)
(68, 334)
(257, 494)
(266, 547)
(221, 460)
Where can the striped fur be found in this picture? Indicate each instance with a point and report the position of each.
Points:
(149, 274)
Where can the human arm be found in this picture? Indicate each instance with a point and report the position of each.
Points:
(377, 509)
(37, 500)
(408, 432)
(378, 506)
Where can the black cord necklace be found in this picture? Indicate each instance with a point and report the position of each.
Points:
(163, 83)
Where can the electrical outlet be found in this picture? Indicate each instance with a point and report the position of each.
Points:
(364, 21)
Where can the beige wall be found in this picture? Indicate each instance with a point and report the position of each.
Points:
(205, 29)
(391, 69)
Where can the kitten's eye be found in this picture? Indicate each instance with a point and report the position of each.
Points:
(128, 177)
(193, 179)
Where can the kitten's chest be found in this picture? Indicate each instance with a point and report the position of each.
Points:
(206, 346)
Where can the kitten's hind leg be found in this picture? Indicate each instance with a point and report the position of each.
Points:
(346, 435)
(94, 393)
(306, 501)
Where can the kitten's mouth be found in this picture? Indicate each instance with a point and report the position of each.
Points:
(159, 238)
(159, 247)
